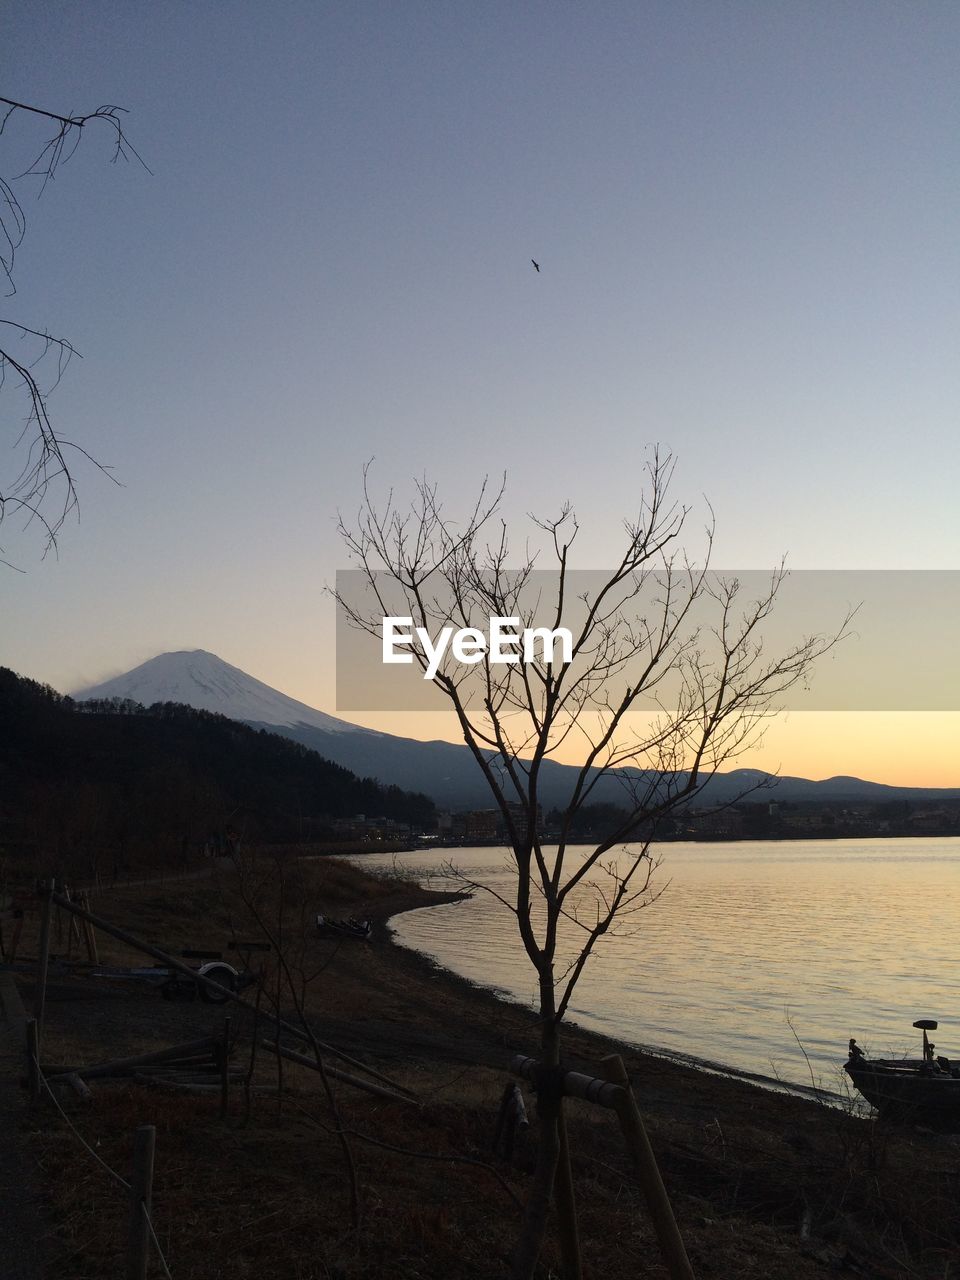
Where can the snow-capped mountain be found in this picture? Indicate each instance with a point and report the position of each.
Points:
(200, 679)
(446, 771)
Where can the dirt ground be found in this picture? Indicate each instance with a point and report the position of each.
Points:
(292, 1184)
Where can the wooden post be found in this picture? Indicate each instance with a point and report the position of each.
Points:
(567, 1230)
(17, 930)
(224, 1055)
(638, 1144)
(40, 995)
(141, 1192)
(73, 928)
(33, 1059)
(89, 935)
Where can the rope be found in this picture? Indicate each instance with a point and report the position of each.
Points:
(77, 1134)
(156, 1242)
(100, 1161)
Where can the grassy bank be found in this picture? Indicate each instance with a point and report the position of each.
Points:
(762, 1184)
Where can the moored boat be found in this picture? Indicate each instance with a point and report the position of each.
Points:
(923, 1090)
(351, 928)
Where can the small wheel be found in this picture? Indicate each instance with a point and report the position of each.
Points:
(224, 974)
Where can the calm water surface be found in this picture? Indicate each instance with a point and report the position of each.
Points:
(834, 938)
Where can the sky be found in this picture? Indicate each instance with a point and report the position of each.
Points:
(745, 216)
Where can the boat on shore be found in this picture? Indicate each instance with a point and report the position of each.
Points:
(350, 928)
(923, 1090)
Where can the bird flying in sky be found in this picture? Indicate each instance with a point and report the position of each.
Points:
(536, 264)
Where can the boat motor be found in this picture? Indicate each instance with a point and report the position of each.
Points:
(925, 1025)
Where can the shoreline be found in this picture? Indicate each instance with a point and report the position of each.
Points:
(472, 989)
(764, 1183)
(688, 1061)
(660, 1073)
(818, 837)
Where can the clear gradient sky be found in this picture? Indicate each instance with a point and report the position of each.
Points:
(746, 215)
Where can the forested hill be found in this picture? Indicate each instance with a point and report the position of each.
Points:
(153, 783)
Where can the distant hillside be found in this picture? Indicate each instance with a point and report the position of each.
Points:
(450, 774)
(79, 780)
(446, 770)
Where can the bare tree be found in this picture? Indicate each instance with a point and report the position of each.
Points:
(658, 633)
(276, 902)
(40, 483)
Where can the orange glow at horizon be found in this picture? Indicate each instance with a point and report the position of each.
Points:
(898, 748)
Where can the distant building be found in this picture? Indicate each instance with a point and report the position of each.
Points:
(518, 814)
(482, 824)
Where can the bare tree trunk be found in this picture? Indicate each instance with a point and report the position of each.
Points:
(622, 646)
(549, 1101)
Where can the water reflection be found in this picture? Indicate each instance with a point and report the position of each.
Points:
(746, 943)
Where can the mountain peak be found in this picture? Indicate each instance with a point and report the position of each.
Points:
(200, 679)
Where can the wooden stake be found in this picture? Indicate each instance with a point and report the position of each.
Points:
(33, 1059)
(17, 930)
(40, 995)
(224, 1055)
(567, 1230)
(73, 928)
(141, 1194)
(89, 935)
(638, 1144)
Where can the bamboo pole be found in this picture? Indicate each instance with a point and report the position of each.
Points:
(141, 1194)
(172, 962)
(190, 1049)
(575, 1083)
(378, 1090)
(615, 1094)
(638, 1144)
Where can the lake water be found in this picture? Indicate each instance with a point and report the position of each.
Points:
(833, 938)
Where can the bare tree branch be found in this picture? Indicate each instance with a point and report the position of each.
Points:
(659, 634)
(41, 486)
